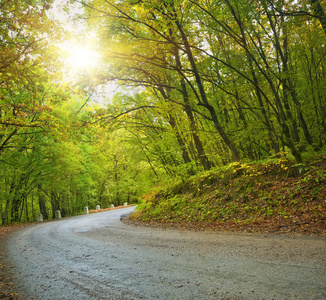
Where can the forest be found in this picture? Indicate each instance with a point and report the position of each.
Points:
(199, 85)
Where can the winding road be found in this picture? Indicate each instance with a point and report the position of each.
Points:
(97, 256)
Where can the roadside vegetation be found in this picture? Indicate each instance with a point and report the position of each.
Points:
(275, 195)
(205, 94)
(196, 97)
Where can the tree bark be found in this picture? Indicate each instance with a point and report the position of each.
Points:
(199, 145)
(205, 103)
(42, 205)
(182, 145)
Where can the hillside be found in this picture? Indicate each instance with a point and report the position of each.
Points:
(272, 196)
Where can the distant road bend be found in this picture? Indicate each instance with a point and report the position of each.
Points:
(97, 256)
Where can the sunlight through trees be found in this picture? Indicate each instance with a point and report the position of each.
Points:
(201, 84)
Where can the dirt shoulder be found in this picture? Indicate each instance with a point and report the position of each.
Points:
(265, 227)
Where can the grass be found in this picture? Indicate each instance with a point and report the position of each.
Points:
(277, 195)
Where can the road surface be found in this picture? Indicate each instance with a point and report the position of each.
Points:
(97, 256)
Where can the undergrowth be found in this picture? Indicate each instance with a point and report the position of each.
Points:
(272, 196)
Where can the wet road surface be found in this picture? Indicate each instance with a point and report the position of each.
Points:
(97, 256)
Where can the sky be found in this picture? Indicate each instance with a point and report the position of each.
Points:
(58, 14)
(80, 48)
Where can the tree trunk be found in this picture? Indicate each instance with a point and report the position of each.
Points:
(182, 145)
(199, 145)
(205, 103)
(55, 204)
(42, 205)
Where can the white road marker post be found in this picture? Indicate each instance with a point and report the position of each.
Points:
(58, 214)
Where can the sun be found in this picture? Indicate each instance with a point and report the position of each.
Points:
(81, 58)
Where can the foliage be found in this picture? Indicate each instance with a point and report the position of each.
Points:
(41, 158)
(206, 90)
(276, 195)
(224, 80)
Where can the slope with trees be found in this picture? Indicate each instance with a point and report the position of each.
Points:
(202, 84)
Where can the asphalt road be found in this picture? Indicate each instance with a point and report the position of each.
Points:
(97, 256)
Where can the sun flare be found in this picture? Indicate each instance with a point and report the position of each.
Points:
(81, 57)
